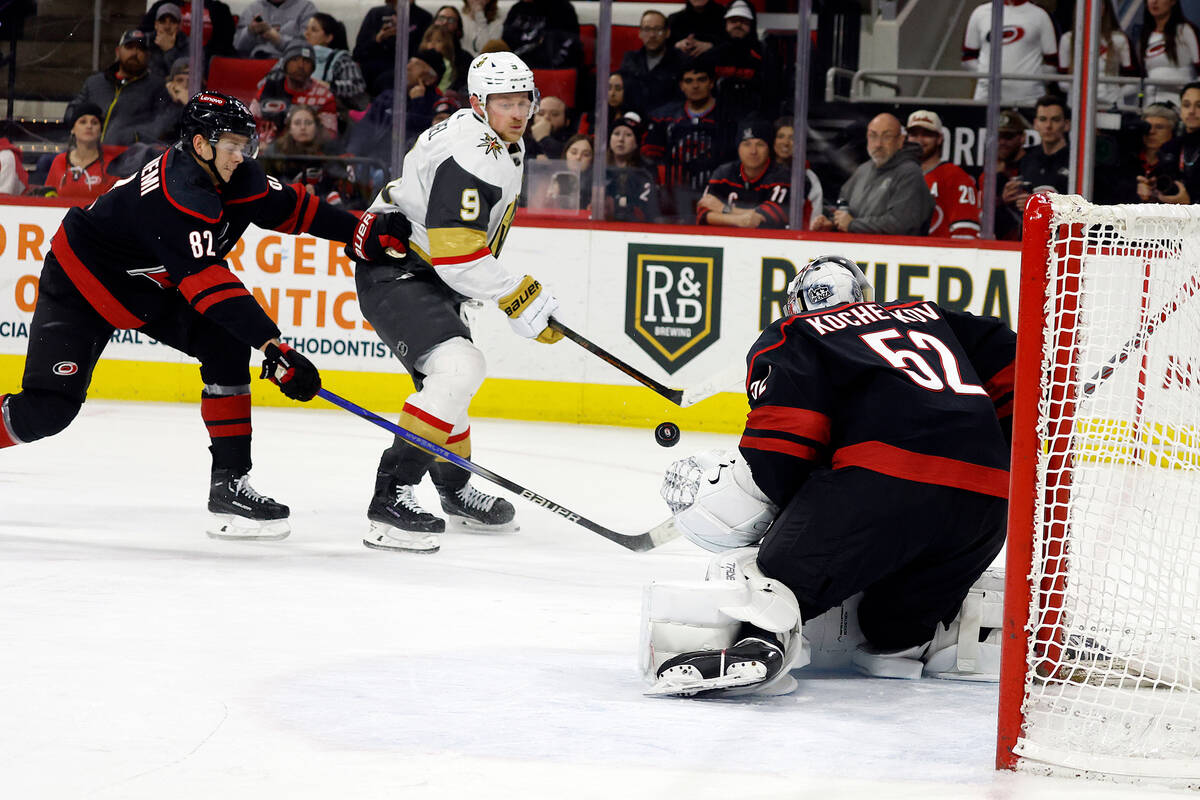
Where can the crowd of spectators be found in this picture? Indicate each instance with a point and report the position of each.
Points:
(698, 122)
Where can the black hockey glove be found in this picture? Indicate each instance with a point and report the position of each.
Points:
(380, 237)
(294, 374)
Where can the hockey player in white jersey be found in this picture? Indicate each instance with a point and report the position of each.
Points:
(459, 191)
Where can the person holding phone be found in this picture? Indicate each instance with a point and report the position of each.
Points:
(268, 27)
(1045, 167)
(375, 45)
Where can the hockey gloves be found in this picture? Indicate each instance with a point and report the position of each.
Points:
(380, 237)
(529, 309)
(288, 369)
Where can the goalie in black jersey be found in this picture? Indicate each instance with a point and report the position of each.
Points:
(149, 255)
(870, 484)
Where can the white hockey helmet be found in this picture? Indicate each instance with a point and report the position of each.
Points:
(825, 282)
(496, 73)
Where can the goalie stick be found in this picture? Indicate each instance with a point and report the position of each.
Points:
(1185, 292)
(638, 542)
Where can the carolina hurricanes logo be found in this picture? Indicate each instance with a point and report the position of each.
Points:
(65, 368)
(1156, 49)
(938, 216)
(1012, 33)
(490, 145)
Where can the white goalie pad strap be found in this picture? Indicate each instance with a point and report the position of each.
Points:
(834, 636)
(454, 370)
(727, 511)
(763, 601)
(681, 617)
(981, 617)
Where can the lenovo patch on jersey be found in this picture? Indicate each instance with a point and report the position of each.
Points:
(673, 301)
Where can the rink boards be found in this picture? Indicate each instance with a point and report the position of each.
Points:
(681, 304)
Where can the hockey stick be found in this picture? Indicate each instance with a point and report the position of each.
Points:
(734, 375)
(1186, 292)
(674, 395)
(638, 542)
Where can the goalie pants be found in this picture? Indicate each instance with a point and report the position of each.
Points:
(412, 312)
(68, 336)
(913, 549)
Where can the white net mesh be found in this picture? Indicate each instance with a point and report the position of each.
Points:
(1113, 679)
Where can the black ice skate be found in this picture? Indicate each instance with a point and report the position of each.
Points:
(476, 511)
(398, 522)
(753, 660)
(243, 513)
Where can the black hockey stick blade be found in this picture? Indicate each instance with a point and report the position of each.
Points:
(674, 395)
(638, 542)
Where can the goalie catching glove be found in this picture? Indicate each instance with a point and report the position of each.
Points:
(380, 237)
(288, 369)
(529, 309)
(716, 502)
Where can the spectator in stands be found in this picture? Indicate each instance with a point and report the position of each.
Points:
(551, 127)
(1168, 48)
(267, 28)
(743, 76)
(372, 135)
(631, 192)
(687, 140)
(784, 143)
(294, 84)
(300, 155)
(544, 33)
(695, 28)
(955, 203)
(481, 23)
(578, 156)
(449, 20)
(1033, 51)
(781, 150)
(1156, 165)
(171, 99)
(14, 180)
(169, 42)
(334, 65)
(444, 108)
(218, 25)
(617, 98)
(887, 193)
(80, 172)
(455, 62)
(1046, 167)
(375, 46)
(127, 92)
(1010, 149)
(651, 73)
(752, 192)
(1186, 150)
(1116, 57)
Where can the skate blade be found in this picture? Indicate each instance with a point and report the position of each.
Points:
(411, 541)
(475, 526)
(674, 687)
(231, 528)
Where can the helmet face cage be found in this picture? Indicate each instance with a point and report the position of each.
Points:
(499, 73)
(815, 286)
(211, 114)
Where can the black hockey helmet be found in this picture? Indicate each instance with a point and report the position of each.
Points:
(825, 282)
(212, 113)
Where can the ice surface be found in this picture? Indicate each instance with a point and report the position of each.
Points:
(141, 659)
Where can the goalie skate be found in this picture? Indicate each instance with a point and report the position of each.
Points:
(473, 510)
(241, 513)
(713, 672)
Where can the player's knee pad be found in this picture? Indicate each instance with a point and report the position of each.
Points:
(35, 414)
(453, 372)
(717, 505)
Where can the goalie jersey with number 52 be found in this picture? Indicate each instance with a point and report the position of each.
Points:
(459, 191)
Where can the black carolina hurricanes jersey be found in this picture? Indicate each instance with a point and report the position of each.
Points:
(768, 194)
(166, 230)
(907, 389)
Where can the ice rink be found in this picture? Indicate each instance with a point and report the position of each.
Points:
(143, 660)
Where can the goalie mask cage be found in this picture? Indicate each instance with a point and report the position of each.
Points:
(1100, 671)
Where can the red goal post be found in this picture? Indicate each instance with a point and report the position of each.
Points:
(1100, 673)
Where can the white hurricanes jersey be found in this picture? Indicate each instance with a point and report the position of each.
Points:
(459, 190)
(1029, 38)
(1116, 54)
(1159, 66)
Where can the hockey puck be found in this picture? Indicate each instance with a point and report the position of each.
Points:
(667, 434)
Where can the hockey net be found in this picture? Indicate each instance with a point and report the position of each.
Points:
(1101, 665)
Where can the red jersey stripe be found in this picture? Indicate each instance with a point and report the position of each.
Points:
(207, 278)
(289, 224)
(1002, 382)
(249, 199)
(784, 446)
(450, 260)
(223, 431)
(937, 470)
(215, 409)
(208, 301)
(90, 286)
(458, 437)
(427, 418)
(799, 421)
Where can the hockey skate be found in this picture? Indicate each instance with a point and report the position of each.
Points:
(752, 660)
(242, 513)
(398, 522)
(474, 510)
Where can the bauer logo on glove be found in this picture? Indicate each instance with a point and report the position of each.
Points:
(529, 308)
(380, 237)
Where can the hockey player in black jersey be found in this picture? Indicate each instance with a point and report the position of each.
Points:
(149, 255)
(873, 465)
(752, 192)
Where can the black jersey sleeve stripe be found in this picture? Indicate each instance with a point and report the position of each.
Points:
(796, 421)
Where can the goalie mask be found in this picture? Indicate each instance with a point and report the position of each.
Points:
(498, 73)
(825, 282)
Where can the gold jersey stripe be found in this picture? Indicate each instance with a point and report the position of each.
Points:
(412, 422)
(451, 242)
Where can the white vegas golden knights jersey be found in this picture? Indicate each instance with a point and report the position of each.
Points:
(459, 191)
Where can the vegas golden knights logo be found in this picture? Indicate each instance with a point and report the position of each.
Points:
(673, 301)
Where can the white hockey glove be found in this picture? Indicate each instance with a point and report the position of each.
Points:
(716, 503)
(529, 308)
